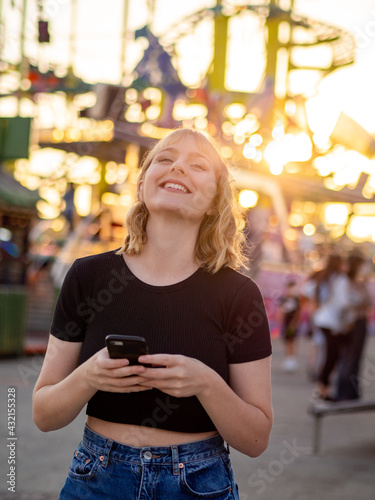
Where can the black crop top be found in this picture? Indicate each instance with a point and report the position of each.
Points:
(217, 318)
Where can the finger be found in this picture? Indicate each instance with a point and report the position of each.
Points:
(118, 377)
(127, 371)
(138, 388)
(109, 363)
(155, 384)
(159, 359)
(164, 387)
(154, 374)
(125, 381)
(123, 371)
(131, 388)
(159, 383)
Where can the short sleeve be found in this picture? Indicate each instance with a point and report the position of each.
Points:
(248, 335)
(67, 323)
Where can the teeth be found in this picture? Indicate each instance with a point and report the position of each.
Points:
(175, 186)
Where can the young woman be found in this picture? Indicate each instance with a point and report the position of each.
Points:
(160, 430)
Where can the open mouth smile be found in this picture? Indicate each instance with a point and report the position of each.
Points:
(173, 186)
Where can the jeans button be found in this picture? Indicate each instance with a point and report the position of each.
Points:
(147, 455)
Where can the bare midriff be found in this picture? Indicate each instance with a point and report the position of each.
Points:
(140, 436)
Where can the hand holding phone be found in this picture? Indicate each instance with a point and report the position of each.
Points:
(126, 346)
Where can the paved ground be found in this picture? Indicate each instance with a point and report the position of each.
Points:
(343, 470)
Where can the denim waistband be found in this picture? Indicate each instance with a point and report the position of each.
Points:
(161, 455)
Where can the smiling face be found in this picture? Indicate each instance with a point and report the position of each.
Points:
(180, 179)
(184, 175)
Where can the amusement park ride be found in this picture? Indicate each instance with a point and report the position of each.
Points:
(279, 157)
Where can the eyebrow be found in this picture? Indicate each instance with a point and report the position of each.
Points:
(193, 154)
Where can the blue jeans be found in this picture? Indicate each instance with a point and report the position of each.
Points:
(105, 469)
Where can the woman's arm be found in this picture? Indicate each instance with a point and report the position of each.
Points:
(60, 392)
(241, 411)
(63, 389)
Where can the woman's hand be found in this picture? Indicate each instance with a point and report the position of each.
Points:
(114, 375)
(176, 375)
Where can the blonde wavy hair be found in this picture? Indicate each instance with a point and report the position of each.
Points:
(220, 241)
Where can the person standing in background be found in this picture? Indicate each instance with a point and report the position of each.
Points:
(348, 375)
(290, 315)
(331, 293)
(315, 292)
(337, 302)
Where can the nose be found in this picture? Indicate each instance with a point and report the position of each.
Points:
(177, 167)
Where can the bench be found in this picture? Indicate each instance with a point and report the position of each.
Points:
(321, 409)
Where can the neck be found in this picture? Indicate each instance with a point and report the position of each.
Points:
(168, 255)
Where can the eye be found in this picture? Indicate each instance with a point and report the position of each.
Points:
(199, 166)
(164, 159)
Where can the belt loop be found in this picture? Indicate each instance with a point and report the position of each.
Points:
(176, 469)
(105, 458)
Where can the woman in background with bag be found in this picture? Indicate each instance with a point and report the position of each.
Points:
(348, 380)
(335, 315)
(332, 295)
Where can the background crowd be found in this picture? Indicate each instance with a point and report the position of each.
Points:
(336, 302)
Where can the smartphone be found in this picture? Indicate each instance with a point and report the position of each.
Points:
(126, 346)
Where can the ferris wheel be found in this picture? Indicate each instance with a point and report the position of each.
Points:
(289, 40)
(298, 32)
(253, 121)
(267, 138)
